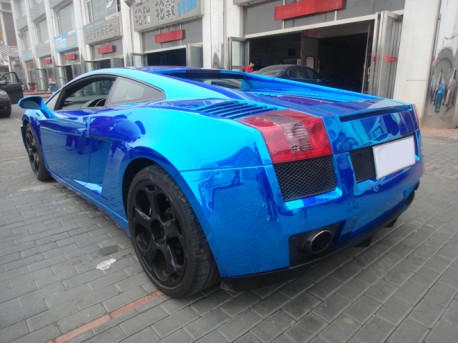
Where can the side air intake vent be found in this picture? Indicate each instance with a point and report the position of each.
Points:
(235, 109)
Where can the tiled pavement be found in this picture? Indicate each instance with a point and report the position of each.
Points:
(403, 288)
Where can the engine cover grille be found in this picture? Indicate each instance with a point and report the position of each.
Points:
(363, 164)
(236, 109)
(306, 178)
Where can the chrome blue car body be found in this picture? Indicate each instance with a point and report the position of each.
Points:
(193, 128)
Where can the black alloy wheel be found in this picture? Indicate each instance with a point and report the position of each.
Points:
(166, 235)
(34, 153)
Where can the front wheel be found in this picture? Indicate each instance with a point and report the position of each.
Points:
(35, 157)
(167, 237)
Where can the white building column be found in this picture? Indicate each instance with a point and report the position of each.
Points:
(79, 23)
(221, 20)
(132, 42)
(415, 53)
(213, 33)
(52, 29)
(233, 28)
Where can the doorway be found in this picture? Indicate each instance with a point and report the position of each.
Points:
(176, 57)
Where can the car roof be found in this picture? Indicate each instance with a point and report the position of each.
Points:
(162, 77)
(155, 70)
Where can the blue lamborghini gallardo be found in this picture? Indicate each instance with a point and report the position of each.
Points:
(222, 175)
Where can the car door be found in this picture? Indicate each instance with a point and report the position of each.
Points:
(111, 130)
(65, 141)
(12, 86)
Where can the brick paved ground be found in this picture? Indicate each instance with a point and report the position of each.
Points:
(403, 288)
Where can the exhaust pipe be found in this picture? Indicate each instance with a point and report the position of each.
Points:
(319, 242)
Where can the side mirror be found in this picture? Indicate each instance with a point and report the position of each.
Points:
(36, 103)
(3, 82)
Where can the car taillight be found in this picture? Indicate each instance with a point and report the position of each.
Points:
(291, 136)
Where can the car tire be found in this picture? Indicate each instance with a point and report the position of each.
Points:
(5, 114)
(35, 156)
(168, 239)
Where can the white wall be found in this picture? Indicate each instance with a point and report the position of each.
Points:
(213, 33)
(222, 19)
(416, 51)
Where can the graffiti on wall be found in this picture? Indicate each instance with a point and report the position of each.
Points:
(441, 106)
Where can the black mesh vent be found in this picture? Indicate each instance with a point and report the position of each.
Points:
(301, 179)
(363, 164)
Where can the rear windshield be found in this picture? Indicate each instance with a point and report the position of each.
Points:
(232, 81)
(272, 70)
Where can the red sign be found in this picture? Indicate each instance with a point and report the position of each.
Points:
(390, 59)
(70, 57)
(169, 36)
(307, 7)
(105, 49)
(46, 60)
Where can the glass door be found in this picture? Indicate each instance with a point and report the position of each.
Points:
(385, 49)
(367, 59)
(61, 76)
(117, 62)
(194, 55)
(89, 66)
(138, 60)
(238, 53)
(42, 80)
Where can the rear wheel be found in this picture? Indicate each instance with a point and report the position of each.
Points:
(167, 236)
(35, 157)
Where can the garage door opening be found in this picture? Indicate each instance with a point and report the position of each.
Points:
(338, 58)
(360, 56)
(341, 60)
(176, 57)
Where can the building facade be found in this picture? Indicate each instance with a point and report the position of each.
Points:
(9, 56)
(367, 46)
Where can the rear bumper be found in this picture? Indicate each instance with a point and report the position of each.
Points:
(239, 283)
(252, 230)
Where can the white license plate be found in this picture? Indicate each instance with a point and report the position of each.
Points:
(394, 156)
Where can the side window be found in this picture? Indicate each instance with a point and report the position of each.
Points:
(11, 78)
(127, 91)
(51, 103)
(86, 93)
(296, 73)
(312, 74)
(14, 78)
